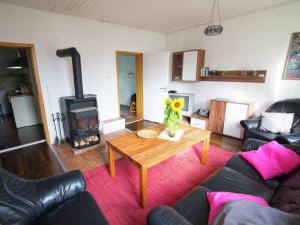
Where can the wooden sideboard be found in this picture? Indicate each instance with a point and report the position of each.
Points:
(225, 116)
(217, 116)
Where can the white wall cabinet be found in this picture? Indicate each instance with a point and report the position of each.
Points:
(186, 65)
(189, 70)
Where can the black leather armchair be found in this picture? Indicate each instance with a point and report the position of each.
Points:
(251, 127)
(59, 200)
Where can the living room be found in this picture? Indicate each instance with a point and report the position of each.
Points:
(246, 65)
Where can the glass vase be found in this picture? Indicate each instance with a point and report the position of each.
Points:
(172, 129)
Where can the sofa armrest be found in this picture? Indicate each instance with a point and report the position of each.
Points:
(165, 215)
(252, 144)
(54, 190)
(288, 138)
(250, 124)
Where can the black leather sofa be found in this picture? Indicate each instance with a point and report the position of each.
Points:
(237, 176)
(58, 200)
(251, 126)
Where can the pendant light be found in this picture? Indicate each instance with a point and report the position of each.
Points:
(19, 63)
(214, 29)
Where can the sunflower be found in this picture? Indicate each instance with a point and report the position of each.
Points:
(167, 101)
(177, 104)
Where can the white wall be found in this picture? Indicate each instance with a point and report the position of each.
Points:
(95, 41)
(255, 41)
(127, 78)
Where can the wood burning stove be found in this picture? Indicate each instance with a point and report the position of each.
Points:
(81, 116)
(81, 111)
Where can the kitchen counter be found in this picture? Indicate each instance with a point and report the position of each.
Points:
(16, 96)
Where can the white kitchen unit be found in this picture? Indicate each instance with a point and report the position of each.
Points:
(24, 110)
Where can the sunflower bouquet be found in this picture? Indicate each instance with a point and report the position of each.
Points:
(173, 114)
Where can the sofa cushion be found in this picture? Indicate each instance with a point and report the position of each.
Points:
(276, 122)
(294, 147)
(194, 206)
(81, 209)
(261, 135)
(287, 195)
(296, 124)
(217, 199)
(272, 160)
(166, 215)
(239, 164)
(252, 213)
(230, 180)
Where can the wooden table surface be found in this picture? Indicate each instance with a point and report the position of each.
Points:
(146, 153)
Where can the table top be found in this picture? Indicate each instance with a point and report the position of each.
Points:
(149, 152)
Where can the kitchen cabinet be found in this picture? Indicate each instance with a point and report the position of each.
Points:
(24, 110)
(186, 65)
(226, 114)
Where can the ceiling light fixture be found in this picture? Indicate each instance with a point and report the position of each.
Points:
(214, 29)
(18, 63)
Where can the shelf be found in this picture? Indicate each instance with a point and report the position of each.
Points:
(250, 79)
(251, 76)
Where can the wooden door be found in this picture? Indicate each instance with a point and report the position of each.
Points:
(217, 116)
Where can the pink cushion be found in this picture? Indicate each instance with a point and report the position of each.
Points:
(272, 160)
(217, 199)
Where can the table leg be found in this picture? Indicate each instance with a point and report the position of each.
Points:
(111, 157)
(205, 150)
(143, 186)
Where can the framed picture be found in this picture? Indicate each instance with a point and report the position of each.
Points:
(292, 63)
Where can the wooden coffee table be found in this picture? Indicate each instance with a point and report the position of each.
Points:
(146, 153)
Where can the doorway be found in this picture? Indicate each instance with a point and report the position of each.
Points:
(22, 115)
(130, 85)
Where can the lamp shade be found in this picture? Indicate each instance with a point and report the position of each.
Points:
(18, 63)
(212, 30)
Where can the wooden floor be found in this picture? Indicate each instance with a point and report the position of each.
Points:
(139, 125)
(10, 136)
(228, 143)
(125, 113)
(32, 162)
(97, 157)
(87, 160)
(38, 161)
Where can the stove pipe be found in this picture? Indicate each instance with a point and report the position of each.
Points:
(76, 63)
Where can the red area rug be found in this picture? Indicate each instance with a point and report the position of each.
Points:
(169, 181)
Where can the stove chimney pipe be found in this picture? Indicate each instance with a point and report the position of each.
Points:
(76, 63)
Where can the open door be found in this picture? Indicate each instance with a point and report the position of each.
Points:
(130, 85)
(156, 73)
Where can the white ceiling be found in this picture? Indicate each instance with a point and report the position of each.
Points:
(155, 15)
